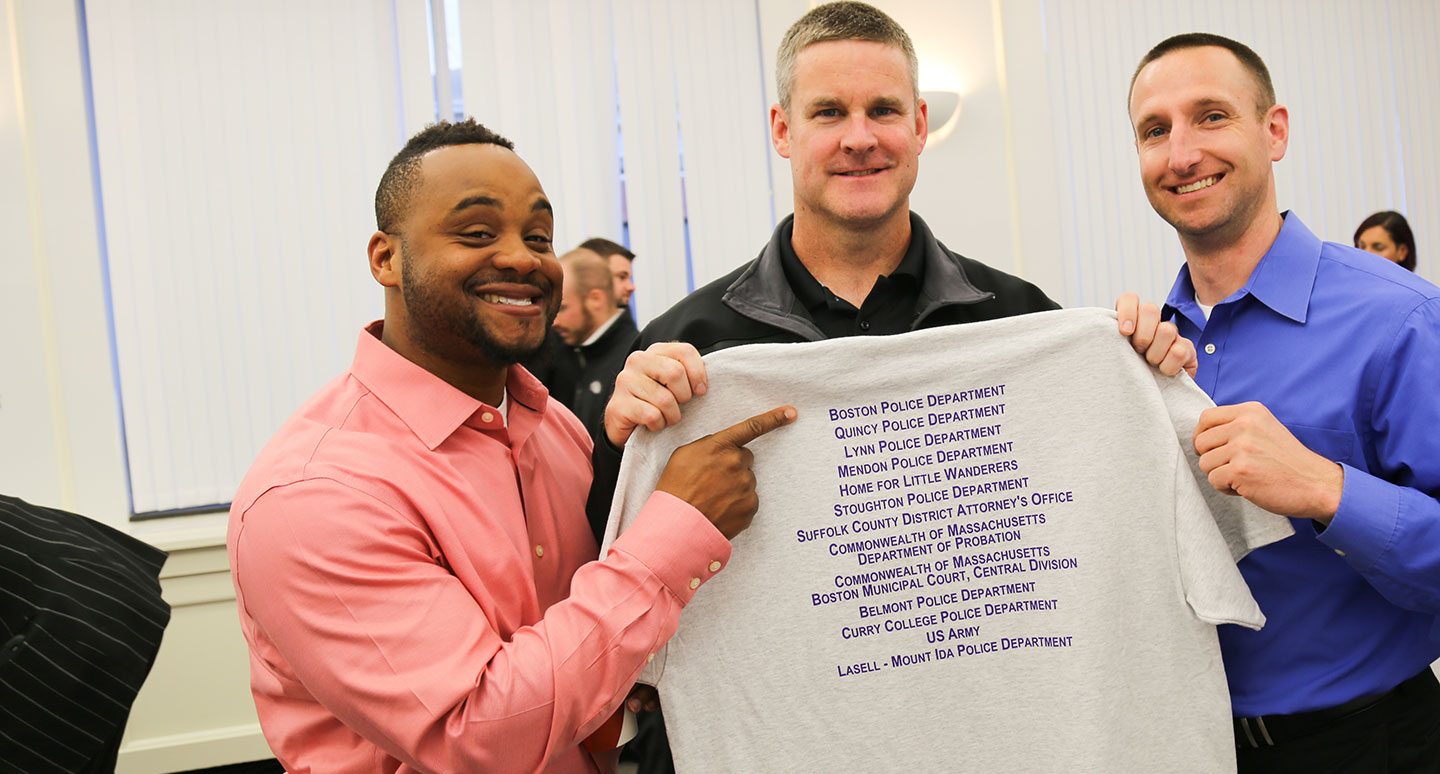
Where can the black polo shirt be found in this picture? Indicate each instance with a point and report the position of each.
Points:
(889, 308)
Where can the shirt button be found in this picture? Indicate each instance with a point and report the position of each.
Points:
(1209, 349)
(1338, 552)
(715, 566)
(864, 325)
(694, 583)
(486, 417)
(650, 658)
(539, 550)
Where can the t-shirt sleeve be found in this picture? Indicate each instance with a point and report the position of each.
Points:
(645, 457)
(1213, 586)
(636, 476)
(1243, 525)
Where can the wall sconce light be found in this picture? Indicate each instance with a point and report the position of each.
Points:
(944, 113)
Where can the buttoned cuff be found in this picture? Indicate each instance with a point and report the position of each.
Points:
(677, 543)
(1367, 520)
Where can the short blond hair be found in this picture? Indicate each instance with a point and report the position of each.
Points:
(840, 21)
(590, 272)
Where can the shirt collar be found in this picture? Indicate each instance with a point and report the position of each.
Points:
(1282, 280)
(432, 408)
(812, 295)
(605, 326)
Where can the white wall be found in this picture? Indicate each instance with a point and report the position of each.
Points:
(58, 410)
(966, 182)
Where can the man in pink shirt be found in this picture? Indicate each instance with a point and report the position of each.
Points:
(413, 567)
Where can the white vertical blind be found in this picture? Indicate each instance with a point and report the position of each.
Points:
(644, 53)
(726, 134)
(541, 72)
(1361, 81)
(1411, 113)
(691, 86)
(239, 145)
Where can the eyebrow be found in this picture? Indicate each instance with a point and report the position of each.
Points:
(478, 201)
(489, 201)
(820, 103)
(1213, 102)
(1199, 104)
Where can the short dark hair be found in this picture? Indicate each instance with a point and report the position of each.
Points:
(402, 176)
(605, 248)
(1397, 227)
(1248, 59)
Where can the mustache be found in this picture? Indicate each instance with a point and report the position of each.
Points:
(534, 279)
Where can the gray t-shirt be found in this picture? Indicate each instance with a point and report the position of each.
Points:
(979, 548)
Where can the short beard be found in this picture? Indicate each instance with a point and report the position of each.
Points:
(545, 353)
(590, 325)
(432, 327)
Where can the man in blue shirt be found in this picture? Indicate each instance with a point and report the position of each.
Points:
(1324, 363)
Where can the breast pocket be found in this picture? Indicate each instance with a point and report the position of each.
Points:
(1334, 445)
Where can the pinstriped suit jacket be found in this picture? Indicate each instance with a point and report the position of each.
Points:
(80, 623)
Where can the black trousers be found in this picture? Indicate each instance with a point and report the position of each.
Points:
(1398, 734)
(650, 749)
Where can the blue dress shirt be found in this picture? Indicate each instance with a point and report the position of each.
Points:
(1343, 347)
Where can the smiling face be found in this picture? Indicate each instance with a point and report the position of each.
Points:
(477, 282)
(853, 133)
(1205, 146)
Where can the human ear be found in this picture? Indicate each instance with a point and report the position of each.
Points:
(1277, 125)
(780, 130)
(384, 251)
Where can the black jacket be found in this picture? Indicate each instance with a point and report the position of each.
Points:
(755, 303)
(598, 365)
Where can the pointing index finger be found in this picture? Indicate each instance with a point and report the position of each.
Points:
(738, 435)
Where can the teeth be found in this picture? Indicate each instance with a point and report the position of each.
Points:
(1197, 185)
(494, 299)
(861, 173)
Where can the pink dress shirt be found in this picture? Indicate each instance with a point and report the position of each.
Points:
(417, 586)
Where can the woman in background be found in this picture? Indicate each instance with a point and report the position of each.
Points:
(1387, 235)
